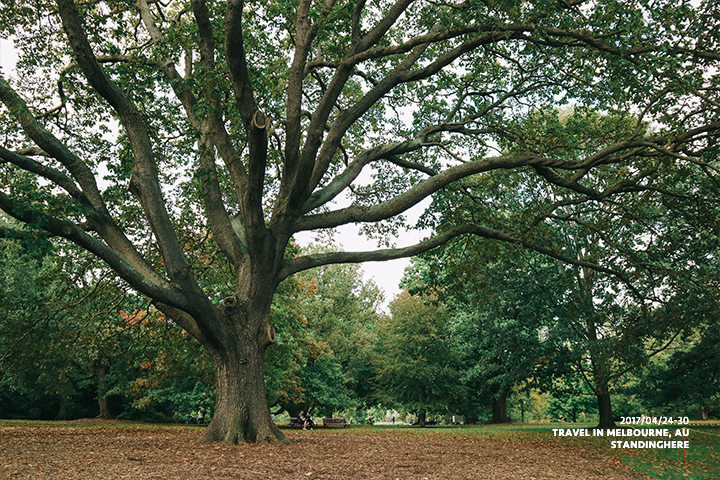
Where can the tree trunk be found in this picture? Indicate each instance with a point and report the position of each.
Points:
(62, 409)
(605, 410)
(101, 367)
(241, 410)
(422, 417)
(499, 409)
(104, 407)
(602, 392)
(600, 370)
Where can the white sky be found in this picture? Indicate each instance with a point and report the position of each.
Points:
(386, 275)
(7, 56)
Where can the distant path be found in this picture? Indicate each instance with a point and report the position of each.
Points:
(63, 453)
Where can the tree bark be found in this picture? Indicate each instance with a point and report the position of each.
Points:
(62, 409)
(600, 370)
(104, 407)
(422, 418)
(242, 414)
(499, 409)
(100, 370)
(605, 410)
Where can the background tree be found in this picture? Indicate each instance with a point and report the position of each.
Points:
(571, 399)
(240, 123)
(499, 298)
(608, 321)
(324, 325)
(161, 372)
(29, 317)
(499, 327)
(59, 329)
(342, 312)
(76, 344)
(685, 378)
(417, 363)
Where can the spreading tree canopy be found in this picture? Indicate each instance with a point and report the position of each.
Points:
(174, 138)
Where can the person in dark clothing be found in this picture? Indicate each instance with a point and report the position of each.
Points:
(306, 420)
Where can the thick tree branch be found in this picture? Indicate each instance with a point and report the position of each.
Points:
(214, 128)
(356, 29)
(351, 172)
(437, 36)
(639, 146)
(98, 216)
(146, 184)
(401, 74)
(301, 179)
(12, 233)
(186, 321)
(237, 62)
(304, 36)
(254, 120)
(217, 216)
(381, 28)
(49, 144)
(316, 260)
(402, 163)
(150, 284)
(449, 57)
(55, 176)
(322, 155)
(414, 195)
(391, 152)
(495, 33)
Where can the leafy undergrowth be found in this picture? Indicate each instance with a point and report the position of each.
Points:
(92, 450)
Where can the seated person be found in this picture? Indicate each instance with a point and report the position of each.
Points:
(306, 420)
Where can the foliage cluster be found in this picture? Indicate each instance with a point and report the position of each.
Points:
(486, 331)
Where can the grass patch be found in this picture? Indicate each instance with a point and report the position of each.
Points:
(700, 461)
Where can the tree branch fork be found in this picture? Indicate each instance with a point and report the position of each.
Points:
(308, 152)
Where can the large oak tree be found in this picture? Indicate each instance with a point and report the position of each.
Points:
(234, 125)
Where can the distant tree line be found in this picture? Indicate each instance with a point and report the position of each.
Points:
(489, 331)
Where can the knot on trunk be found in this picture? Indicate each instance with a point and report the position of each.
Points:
(230, 302)
(259, 120)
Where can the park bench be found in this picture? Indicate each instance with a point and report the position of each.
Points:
(295, 422)
(328, 422)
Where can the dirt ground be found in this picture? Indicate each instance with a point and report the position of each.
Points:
(101, 452)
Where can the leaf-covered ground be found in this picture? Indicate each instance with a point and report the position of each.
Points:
(122, 452)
